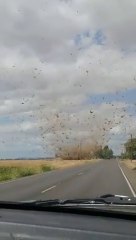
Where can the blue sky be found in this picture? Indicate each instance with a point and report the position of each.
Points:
(128, 96)
(86, 39)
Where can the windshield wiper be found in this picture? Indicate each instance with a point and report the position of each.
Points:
(107, 205)
(104, 200)
(108, 199)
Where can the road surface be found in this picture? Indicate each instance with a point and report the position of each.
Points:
(89, 180)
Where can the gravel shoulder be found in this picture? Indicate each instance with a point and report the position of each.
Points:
(129, 169)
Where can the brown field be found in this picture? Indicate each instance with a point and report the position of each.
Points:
(130, 164)
(13, 169)
(36, 164)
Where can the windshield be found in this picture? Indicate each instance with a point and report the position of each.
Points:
(67, 99)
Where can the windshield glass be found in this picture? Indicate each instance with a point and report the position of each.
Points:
(67, 99)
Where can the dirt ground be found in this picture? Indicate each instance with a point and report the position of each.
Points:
(130, 164)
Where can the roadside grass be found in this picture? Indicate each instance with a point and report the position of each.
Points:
(13, 169)
(10, 173)
(130, 164)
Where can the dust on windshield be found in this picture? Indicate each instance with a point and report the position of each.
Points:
(67, 98)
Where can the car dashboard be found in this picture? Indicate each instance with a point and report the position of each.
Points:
(38, 225)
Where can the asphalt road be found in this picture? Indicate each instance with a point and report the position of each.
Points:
(89, 180)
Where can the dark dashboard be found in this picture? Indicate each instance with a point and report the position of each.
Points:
(25, 225)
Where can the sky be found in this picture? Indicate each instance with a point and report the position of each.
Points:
(67, 74)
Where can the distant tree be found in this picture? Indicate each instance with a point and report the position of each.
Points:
(107, 153)
(130, 149)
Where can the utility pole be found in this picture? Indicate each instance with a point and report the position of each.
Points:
(79, 151)
(131, 149)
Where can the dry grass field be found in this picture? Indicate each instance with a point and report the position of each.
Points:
(130, 164)
(12, 169)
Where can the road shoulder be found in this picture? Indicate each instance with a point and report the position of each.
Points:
(130, 174)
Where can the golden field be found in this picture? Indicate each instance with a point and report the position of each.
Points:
(56, 163)
(12, 169)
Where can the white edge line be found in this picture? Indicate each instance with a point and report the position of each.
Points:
(133, 192)
(48, 189)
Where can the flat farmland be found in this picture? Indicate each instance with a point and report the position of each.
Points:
(13, 169)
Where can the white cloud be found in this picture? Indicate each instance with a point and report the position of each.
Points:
(44, 71)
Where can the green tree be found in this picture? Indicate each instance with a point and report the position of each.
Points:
(105, 153)
(130, 149)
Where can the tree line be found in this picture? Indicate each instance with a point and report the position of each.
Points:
(86, 151)
(130, 149)
(105, 153)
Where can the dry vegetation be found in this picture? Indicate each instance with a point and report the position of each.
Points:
(34, 164)
(60, 164)
(69, 156)
(37, 164)
(130, 164)
(77, 152)
(12, 169)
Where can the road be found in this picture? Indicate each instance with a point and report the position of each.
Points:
(89, 180)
